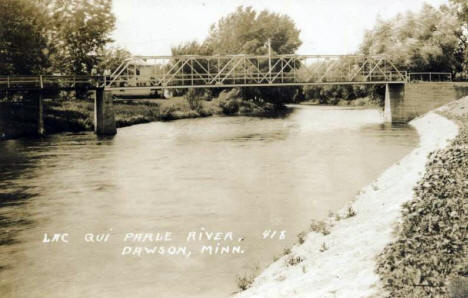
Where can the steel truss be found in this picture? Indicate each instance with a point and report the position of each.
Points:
(165, 72)
(159, 72)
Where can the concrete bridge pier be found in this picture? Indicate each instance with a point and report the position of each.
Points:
(388, 106)
(104, 119)
(40, 112)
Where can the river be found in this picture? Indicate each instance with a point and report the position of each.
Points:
(224, 174)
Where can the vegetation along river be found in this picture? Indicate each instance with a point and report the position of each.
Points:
(225, 174)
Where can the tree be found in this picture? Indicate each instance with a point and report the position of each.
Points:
(81, 28)
(245, 32)
(423, 41)
(111, 58)
(23, 43)
(460, 7)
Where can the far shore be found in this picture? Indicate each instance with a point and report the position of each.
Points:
(76, 115)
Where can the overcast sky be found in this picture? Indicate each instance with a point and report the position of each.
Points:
(151, 27)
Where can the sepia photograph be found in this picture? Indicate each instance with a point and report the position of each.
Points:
(233, 148)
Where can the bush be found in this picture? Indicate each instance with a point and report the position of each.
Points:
(319, 227)
(431, 246)
(229, 101)
(193, 97)
(292, 261)
(245, 281)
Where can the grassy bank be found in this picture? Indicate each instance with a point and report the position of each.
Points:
(77, 115)
(429, 256)
(358, 102)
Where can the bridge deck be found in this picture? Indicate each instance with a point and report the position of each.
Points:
(191, 71)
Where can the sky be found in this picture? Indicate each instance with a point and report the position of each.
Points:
(152, 27)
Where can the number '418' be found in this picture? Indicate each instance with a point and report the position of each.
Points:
(272, 234)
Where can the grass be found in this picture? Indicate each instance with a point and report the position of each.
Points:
(78, 115)
(319, 227)
(245, 281)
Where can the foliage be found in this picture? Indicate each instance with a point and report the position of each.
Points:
(244, 282)
(431, 247)
(428, 40)
(196, 97)
(350, 212)
(319, 227)
(23, 44)
(246, 31)
(301, 237)
(292, 261)
(110, 58)
(80, 28)
(231, 103)
(53, 36)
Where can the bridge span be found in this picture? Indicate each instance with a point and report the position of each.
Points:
(154, 73)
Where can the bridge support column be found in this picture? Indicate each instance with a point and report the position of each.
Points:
(388, 105)
(35, 101)
(104, 119)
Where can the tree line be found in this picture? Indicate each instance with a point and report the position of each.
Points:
(73, 37)
(54, 36)
(432, 39)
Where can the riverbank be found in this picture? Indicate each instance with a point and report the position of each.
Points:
(62, 115)
(337, 258)
(366, 102)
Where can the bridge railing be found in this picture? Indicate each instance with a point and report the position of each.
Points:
(430, 77)
(50, 81)
(159, 72)
(252, 70)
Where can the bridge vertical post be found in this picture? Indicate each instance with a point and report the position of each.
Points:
(104, 118)
(388, 107)
(40, 113)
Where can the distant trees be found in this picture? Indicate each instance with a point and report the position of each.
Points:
(47, 36)
(433, 39)
(425, 41)
(246, 31)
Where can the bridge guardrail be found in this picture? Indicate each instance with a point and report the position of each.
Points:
(50, 81)
(429, 77)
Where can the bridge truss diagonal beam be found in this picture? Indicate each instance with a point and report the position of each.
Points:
(195, 71)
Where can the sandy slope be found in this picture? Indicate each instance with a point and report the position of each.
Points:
(346, 269)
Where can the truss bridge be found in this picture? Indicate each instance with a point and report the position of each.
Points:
(193, 71)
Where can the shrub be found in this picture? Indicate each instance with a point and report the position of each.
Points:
(193, 97)
(244, 282)
(429, 254)
(319, 227)
(301, 237)
(351, 212)
(292, 261)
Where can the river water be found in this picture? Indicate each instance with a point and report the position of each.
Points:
(221, 174)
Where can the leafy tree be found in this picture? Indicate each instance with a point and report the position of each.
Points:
(111, 58)
(245, 32)
(23, 44)
(461, 10)
(423, 41)
(80, 29)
